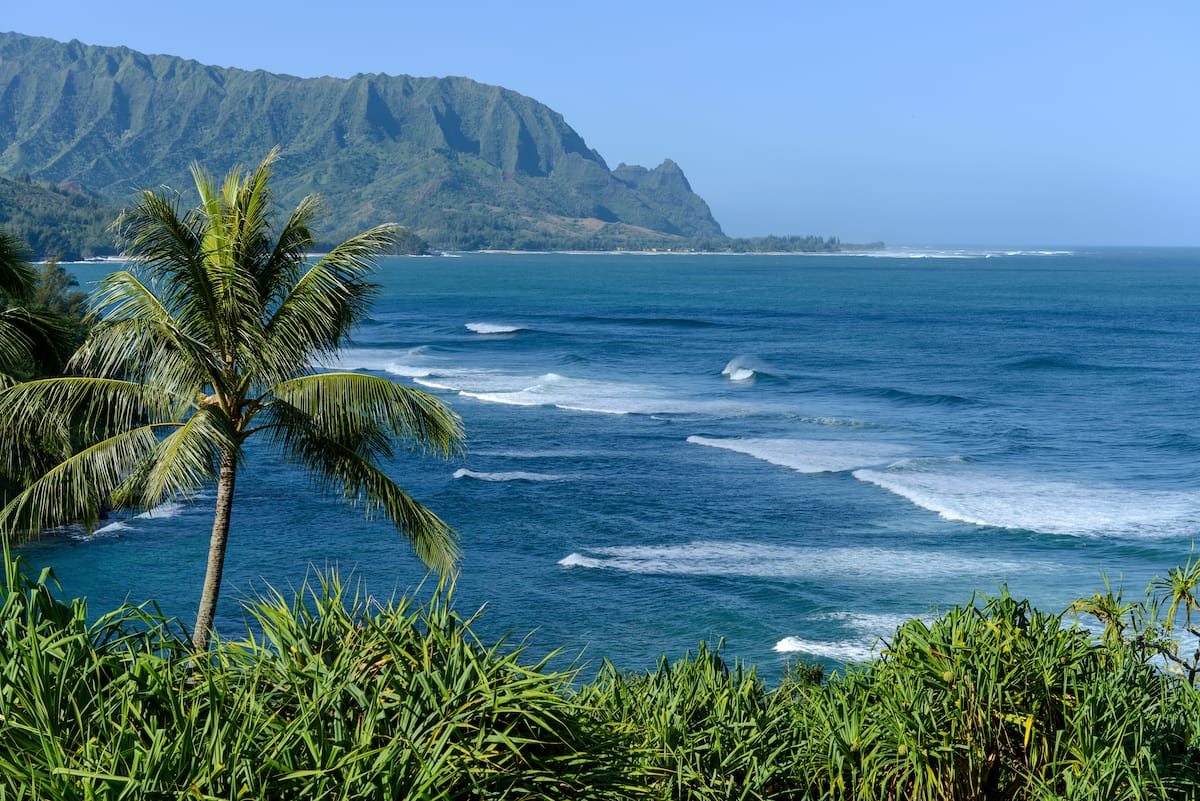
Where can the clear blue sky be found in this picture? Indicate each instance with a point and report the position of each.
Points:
(1019, 123)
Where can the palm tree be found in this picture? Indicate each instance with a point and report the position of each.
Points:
(211, 336)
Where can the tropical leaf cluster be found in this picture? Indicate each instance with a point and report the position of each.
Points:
(333, 694)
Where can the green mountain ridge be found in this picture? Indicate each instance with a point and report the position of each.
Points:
(463, 164)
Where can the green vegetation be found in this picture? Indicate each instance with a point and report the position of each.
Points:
(35, 339)
(65, 223)
(796, 244)
(335, 695)
(465, 165)
(41, 322)
(208, 339)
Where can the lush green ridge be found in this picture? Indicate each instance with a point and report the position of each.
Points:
(464, 164)
(343, 697)
(66, 222)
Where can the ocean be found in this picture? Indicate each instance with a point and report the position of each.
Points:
(791, 454)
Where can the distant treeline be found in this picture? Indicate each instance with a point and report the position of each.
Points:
(794, 244)
(68, 223)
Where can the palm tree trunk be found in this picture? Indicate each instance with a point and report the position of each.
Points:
(216, 550)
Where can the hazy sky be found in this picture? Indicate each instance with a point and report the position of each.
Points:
(1064, 122)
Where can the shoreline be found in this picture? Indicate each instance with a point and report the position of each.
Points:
(669, 252)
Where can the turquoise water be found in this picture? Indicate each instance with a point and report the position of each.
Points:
(793, 453)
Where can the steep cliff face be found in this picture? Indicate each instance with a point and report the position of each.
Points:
(463, 163)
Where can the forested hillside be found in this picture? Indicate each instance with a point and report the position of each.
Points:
(463, 164)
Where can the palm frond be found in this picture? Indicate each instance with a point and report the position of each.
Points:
(15, 344)
(124, 349)
(183, 461)
(48, 337)
(165, 242)
(344, 405)
(282, 269)
(360, 483)
(320, 310)
(49, 413)
(135, 324)
(78, 487)
(16, 275)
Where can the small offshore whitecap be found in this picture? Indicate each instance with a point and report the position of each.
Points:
(507, 475)
(494, 328)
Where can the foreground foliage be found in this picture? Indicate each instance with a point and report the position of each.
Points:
(339, 696)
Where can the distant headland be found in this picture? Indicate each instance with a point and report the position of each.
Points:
(464, 165)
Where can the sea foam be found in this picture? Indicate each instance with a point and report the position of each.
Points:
(958, 490)
(867, 631)
(840, 651)
(509, 475)
(403, 363)
(838, 563)
(162, 511)
(809, 455)
(493, 328)
(572, 394)
(112, 528)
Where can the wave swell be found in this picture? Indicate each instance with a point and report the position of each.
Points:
(507, 475)
(494, 328)
(837, 563)
(809, 455)
(959, 490)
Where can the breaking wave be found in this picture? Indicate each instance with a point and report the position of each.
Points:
(494, 328)
(809, 455)
(509, 475)
(958, 490)
(837, 563)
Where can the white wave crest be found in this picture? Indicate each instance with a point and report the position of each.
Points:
(112, 528)
(570, 393)
(877, 624)
(954, 253)
(493, 328)
(579, 560)
(741, 374)
(740, 370)
(809, 455)
(957, 490)
(841, 564)
(510, 475)
(869, 629)
(404, 363)
(162, 512)
(840, 651)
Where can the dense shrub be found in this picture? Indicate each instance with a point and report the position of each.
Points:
(339, 696)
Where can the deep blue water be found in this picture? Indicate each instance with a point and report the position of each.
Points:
(794, 453)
